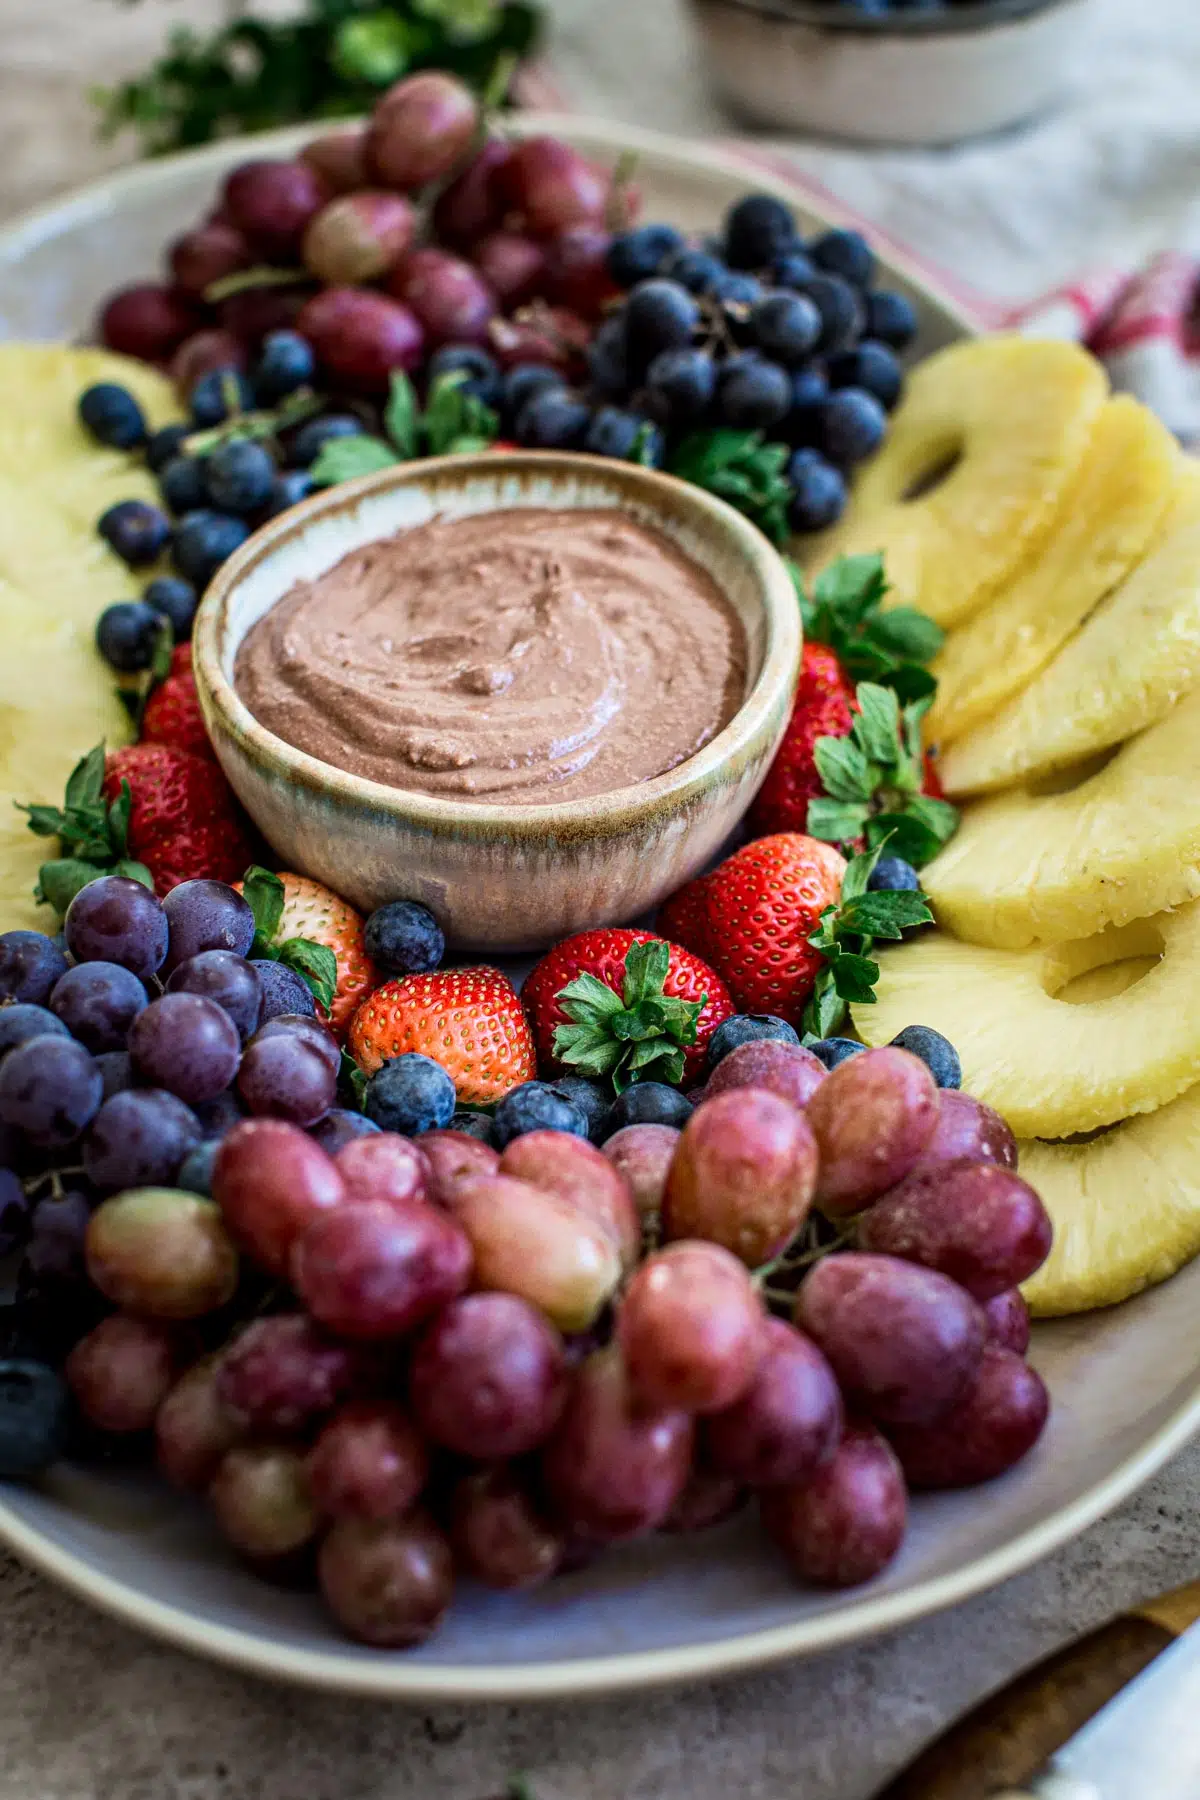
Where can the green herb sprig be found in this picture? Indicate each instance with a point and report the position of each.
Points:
(846, 936)
(453, 422)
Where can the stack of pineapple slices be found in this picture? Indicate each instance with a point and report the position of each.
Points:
(1062, 552)
(57, 698)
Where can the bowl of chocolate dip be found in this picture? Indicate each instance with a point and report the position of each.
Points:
(536, 691)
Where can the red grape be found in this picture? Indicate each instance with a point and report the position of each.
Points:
(192, 1430)
(270, 1182)
(610, 1470)
(121, 1372)
(360, 337)
(996, 1423)
(743, 1174)
(553, 185)
(488, 1377)
(384, 1166)
(283, 1077)
(370, 1462)
(643, 1154)
(976, 1222)
(387, 1582)
(534, 1244)
(497, 1533)
(553, 337)
(514, 267)
(454, 1158)
(272, 203)
(358, 237)
(201, 353)
(378, 1269)
(1007, 1318)
(447, 295)
(845, 1524)
(691, 1328)
(873, 1116)
(577, 270)
(339, 158)
(281, 1373)
(967, 1128)
(261, 1499)
(789, 1421)
(148, 321)
(784, 1069)
(472, 203)
(583, 1176)
(420, 129)
(709, 1498)
(162, 1253)
(253, 314)
(187, 1045)
(904, 1341)
(205, 255)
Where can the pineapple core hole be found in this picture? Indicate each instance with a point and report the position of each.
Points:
(1102, 967)
(932, 477)
(1065, 781)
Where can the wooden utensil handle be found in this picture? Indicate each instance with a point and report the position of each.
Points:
(1009, 1737)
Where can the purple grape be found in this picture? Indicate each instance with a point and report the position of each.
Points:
(313, 1033)
(339, 1127)
(50, 1090)
(284, 1077)
(24, 1021)
(98, 1002)
(186, 1044)
(54, 1255)
(283, 991)
(139, 1139)
(30, 964)
(220, 1115)
(223, 976)
(14, 1213)
(117, 920)
(206, 915)
(117, 1072)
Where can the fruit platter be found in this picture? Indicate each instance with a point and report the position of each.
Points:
(400, 1294)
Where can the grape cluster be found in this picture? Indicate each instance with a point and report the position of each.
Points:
(396, 1359)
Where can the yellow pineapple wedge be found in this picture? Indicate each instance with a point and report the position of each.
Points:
(1028, 866)
(1125, 1206)
(982, 450)
(1104, 527)
(1123, 670)
(1054, 1068)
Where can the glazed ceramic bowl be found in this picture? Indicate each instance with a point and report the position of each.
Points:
(905, 76)
(500, 877)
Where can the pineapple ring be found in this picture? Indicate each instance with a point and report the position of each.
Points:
(1125, 1207)
(1122, 845)
(981, 452)
(1053, 1068)
(1104, 528)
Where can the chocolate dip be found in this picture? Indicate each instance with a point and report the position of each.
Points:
(528, 655)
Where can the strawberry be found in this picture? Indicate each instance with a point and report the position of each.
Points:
(931, 783)
(764, 903)
(823, 707)
(678, 1001)
(172, 714)
(295, 916)
(468, 1020)
(683, 917)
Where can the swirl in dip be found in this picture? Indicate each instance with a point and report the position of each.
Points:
(526, 655)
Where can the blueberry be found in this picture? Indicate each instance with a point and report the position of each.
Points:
(289, 487)
(608, 360)
(283, 991)
(239, 477)
(14, 1213)
(339, 1126)
(176, 600)
(21, 1022)
(892, 318)
(871, 366)
(474, 1124)
(844, 253)
(33, 1418)
(552, 419)
(203, 541)
(786, 327)
(30, 964)
(832, 1051)
(127, 635)
(285, 364)
(536, 1106)
(680, 385)
(853, 425)
(311, 438)
(935, 1051)
(841, 310)
(614, 432)
(112, 415)
(753, 395)
(220, 395)
(734, 289)
(818, 492)
(410, 1094)
(757, 229)
(647, 1103)
(135, 530)
(404, 938)
(527, 379)
(792, 268)
(635, 255)
(810, 389)
(659, 315)
(195, 1171)
(892, 875)
(748, 1028)
(483, 375)
(699, 271)
(165, 445)
(591, 1099)
(181, 484)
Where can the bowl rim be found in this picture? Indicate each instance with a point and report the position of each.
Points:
(528, 821)
(972, 18)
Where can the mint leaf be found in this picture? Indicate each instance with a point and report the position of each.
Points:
(264, 895)
(43, 821)
(905, 835)
(886, 912)
(877, 727)
(859, 871)
(342, 459)
(837, 822)
(643, 446)
(85, 783)
(825, 1010)
(906, 633)
(843, 768)
(854, 977)
(314, 963)
(400, 419)
(452, 413)
(909, 681)
(851, 587)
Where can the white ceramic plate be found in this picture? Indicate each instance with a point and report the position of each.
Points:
(1126, 1383)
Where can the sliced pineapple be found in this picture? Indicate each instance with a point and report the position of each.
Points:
(987, 442)
(1104, 527)
(1125, 1206)
(1028, 866)
(1053, 1068)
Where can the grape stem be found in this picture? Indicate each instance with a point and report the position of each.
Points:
(54, 1176)
(789, 1259)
